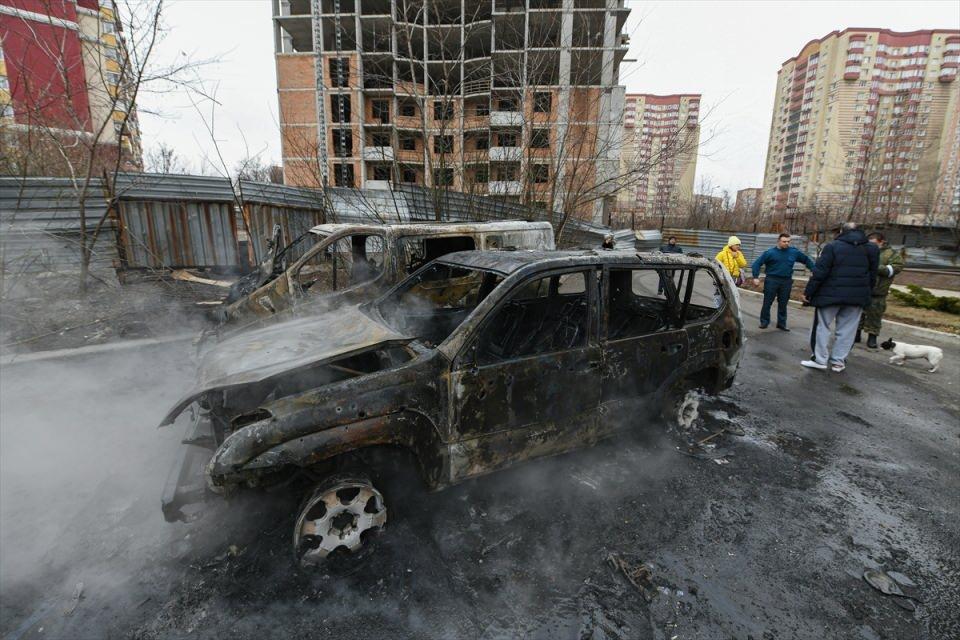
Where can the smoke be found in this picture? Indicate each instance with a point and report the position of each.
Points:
(82, 465)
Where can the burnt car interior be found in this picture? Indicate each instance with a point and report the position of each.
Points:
(433, 303)
(700, 291)
(419, 251)
(546, 315)
(639, 303)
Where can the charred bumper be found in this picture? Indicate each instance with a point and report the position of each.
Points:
(186, 485)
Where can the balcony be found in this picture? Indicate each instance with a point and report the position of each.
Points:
(505, 154)
(378, 154)
(506, 118)
(505, 187)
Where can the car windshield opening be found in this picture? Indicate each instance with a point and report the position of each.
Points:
(431, 304)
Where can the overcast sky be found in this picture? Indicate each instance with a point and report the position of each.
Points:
(728, 51)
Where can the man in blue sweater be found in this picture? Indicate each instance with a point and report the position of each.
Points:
(779, 261)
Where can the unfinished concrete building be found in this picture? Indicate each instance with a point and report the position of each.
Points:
(507, 98)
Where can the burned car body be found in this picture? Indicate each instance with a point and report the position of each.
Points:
(336, 263)
(478, 361)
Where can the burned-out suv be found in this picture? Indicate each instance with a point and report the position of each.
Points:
(478, 361)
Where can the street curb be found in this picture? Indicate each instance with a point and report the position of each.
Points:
(38, 356)
(912, 327)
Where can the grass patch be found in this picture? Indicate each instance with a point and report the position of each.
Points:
(917, 296)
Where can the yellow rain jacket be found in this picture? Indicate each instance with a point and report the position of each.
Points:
(731, 261)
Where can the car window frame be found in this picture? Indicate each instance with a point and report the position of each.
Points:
(293, 271)
(689, 293)
(466, 356)
(669, 288)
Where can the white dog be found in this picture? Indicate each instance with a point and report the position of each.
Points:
(903, 352)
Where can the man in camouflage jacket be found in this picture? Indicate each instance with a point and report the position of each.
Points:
(891, 263)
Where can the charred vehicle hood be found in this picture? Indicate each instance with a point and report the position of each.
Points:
(286, 346)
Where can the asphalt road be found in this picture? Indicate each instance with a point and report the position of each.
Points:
(631, 539)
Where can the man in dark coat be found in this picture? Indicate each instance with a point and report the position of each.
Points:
(671, 246)
(839, 288)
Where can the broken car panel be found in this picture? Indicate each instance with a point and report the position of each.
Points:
(477, 361)
(336, 263)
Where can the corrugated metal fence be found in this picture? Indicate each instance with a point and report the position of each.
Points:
(40, 227)
(172, 221)
(180, 221)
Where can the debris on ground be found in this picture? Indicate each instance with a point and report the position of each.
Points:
(187, 276)
(75, 600)
(882, 582)
(639, 575)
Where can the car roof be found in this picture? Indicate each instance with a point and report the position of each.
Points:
(434, 228)
(507, 262)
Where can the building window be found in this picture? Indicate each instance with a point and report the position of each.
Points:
(409, 175)
(408, 109)
(381, 111)
(506, 139)
(408, 143)
(506, 173)
(540, 139)
(482, 175)
(483, 109)
(506, 104)
(542, 102)
(380, 139)
(443, 177)
(442, 110)
(343, 175)
(483, 143)
(339, 74)
(338, 104)
(539, 173)
(342, 143)
(381, 172)
(443, 144)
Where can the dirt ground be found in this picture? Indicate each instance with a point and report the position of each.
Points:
(765, 535)
(50, 312)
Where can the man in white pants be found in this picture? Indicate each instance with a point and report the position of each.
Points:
(839, 289)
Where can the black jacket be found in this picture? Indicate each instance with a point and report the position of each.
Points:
(845, 273)
(668, 248)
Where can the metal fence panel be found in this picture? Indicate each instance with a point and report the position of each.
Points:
(40, 228)
(157, 234)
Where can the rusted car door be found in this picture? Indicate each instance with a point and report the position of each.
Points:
(642, 339)
(528, 384)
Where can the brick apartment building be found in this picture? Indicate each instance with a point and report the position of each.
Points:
(510, 98)
(865, 125)
(748, 200)
(659, 152)
(59, 76)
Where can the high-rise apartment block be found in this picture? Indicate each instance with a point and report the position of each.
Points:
(659, 155)
(60, 83)
(864, 126)
(514, 98)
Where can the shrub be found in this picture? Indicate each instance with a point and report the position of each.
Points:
(917, 296)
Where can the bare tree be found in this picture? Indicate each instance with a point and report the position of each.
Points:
(164, 159)
(93, 136)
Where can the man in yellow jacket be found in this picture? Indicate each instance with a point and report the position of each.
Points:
(732, 259)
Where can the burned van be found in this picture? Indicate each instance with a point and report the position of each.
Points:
(476, 362)
(336, 263)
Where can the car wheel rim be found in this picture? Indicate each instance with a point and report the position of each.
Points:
(688, 409)
(337, 517)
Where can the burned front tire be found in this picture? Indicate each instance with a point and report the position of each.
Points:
(339, 516)
(681, 405)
